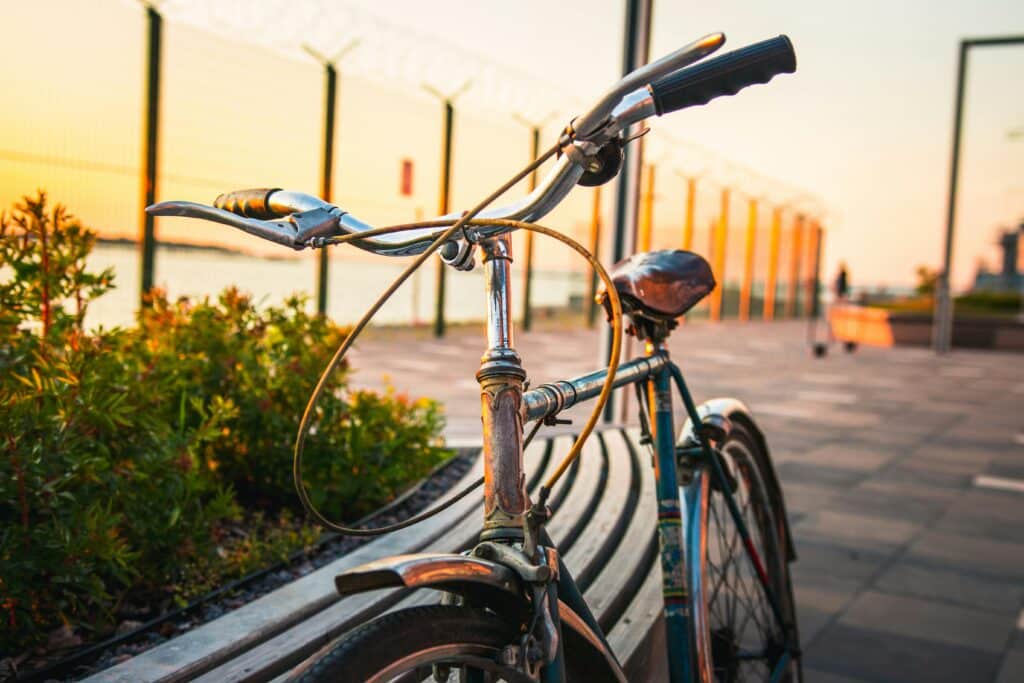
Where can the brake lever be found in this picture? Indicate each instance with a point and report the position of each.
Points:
(298, 231)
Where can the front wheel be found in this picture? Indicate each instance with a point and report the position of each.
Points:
(738, 637)
(427, 643)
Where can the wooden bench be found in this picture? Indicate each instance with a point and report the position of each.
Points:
(604, 523)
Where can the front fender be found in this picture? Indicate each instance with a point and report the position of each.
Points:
(482, 583)
(478, 580)
(733, 411)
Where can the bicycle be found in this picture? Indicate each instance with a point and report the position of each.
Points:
(511, 609)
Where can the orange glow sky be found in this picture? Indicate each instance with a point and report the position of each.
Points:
(865, 124)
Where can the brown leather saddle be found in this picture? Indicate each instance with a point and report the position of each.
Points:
(660, 285)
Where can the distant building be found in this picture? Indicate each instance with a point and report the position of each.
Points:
(1010, 277)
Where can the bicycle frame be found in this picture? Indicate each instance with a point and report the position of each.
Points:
(505, 408)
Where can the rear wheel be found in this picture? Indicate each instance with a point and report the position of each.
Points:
(738, 638)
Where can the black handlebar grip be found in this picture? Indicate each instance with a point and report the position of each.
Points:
(249, 203)
(724, 75)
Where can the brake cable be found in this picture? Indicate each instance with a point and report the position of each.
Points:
(466, 219)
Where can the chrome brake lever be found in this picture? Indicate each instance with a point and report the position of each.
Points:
(282, 231)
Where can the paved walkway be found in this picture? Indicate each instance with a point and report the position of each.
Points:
(903, 473)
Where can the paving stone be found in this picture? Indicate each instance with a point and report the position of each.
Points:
(815, 676)
(818, 559)
(818, 474)
(859, 457)
(930, 620)
(805, 498)
(857, 530)
(870, 502)
(983, 512)
(997, 559)
(946, 585)
(876, 656)
(1012, 668)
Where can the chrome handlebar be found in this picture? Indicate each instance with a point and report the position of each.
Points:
(307, 221)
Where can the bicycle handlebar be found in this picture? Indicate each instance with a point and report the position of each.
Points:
(724, 75)
(300, 220)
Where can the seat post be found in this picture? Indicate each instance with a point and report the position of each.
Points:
(501, 377)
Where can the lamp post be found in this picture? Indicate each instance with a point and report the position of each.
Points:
(942, 329)
(327, 154)
(635, 53)
(444, 199)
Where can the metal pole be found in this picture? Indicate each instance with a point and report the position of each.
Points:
(748, 260)
(595, 244)
(646, 227)
(793, 286)
(443, 204)
(942, 329)
(150, 149)
(528, 245)
(772, 281)
(721, 233)
(326, 174)
(636, 51)
(691, 199)
(814, 279)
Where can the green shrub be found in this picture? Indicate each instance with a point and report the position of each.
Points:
(149, 464)
(363, 447)
(989, 302)
(97, 494)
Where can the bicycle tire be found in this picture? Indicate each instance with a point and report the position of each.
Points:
(728, 596)
(405, 644)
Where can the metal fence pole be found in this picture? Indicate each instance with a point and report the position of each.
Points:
(812, 307)
(793, 285)
(645, 231)
(772, 281)
(150, 149)
(748, 260)
(528, 240)
(595, 245)
(721, 234)
(326, 175)
(444, 202)
(691, 200)
(327, 154)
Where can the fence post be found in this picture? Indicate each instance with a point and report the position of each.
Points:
(595, 243)
(748, 260)
(646, 230)
(720, 242)
(792, 286)
(811, 299)
(528, 241)
(691, 192)
(150, 149)
(772, 281)
(326, 174)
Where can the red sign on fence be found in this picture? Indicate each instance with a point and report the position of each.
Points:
(405, 188)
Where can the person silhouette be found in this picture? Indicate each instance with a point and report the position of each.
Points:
(842, 283)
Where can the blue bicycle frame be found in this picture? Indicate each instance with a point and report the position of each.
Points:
(680, 517)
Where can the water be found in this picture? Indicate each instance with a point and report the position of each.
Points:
(353, 284)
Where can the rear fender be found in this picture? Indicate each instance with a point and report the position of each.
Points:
(723, 413)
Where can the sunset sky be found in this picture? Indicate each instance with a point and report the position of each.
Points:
(864, 125)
